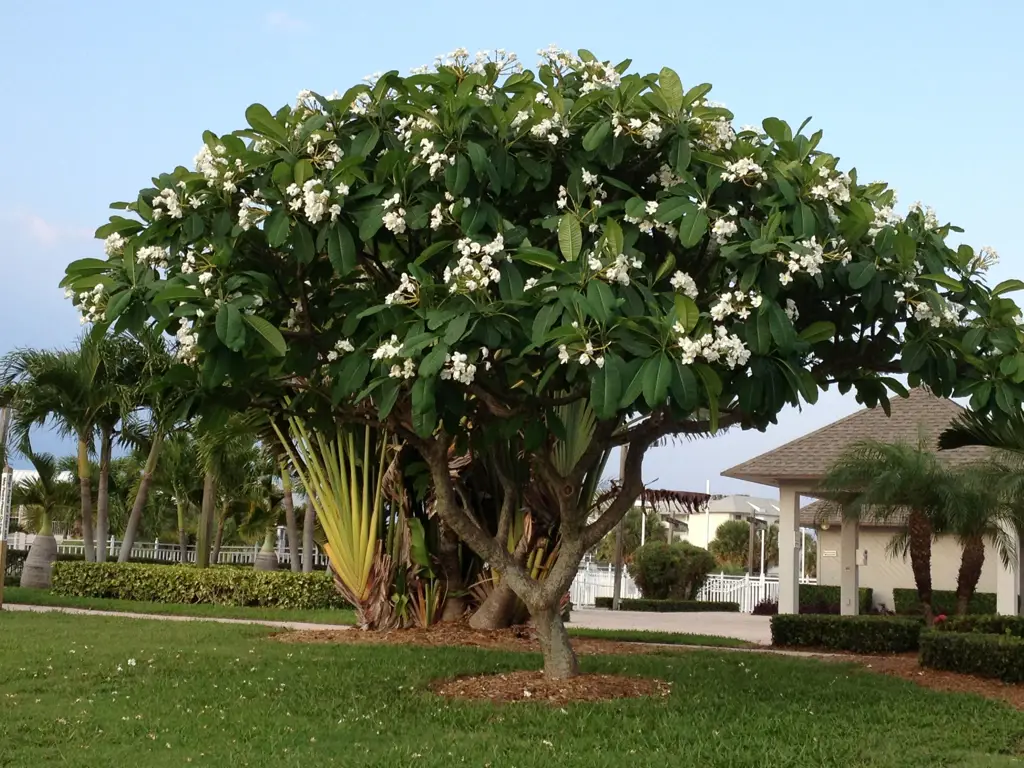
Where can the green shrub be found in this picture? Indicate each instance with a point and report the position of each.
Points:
(998, 656)
(188, 584)
(859, 634)
(667, 606)
(670, 571)
(943, 601)
(819, 598)
(984, 625)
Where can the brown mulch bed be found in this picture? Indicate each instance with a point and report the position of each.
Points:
(461, 634)
(533, 686)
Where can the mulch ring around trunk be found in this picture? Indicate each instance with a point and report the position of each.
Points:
(534, 687)
(448, 634)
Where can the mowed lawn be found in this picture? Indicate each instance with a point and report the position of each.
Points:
(93, 691)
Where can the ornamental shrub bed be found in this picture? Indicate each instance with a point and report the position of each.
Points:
(188, 584)
(998, 656)
(984, 625)
(668, 606)
(943, 601)
(858, 634)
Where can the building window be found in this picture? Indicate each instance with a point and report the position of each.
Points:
(737, 517)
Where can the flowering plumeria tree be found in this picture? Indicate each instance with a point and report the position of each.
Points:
(458, 255)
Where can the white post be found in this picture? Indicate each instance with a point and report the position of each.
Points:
(762, 557)
(789, 524)
(849, 578)
(643, 526)
(803, 553)
(707, 516)
(1007, 582)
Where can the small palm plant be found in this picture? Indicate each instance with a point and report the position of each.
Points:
(46, 498)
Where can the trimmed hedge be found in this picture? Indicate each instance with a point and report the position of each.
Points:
(943, 601)
(858, 634)
(998, 656)
(188, 584)
(667, 606)
(820, 598)
(983, 625)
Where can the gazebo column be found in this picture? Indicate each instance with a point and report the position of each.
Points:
(1008, 580)
(848, 579)
(789, 549)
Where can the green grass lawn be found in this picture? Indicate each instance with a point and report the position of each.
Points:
(44, 597)
(663, 638)
(222, 695)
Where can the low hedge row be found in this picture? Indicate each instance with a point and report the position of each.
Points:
(667, 606)
(998, 656)
(983, 625)
(905, 602)
(858, 634)
(188, 584)
(821, 598)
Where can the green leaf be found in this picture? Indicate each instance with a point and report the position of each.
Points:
(1008, 366)
(424, 409)
(570, 238)
(116, 304)
(179, 293)
(543, 321)
(341, 249)
(601, 300)
(915, 356)
(303, 171)
(634, 388)
(606, 388)
(432, 250)
(778, 130)
(230, 327)
(462, 169)
(687, 312)
(351, 374)
(861, 273)
(804, 223)
(433, 361)
(818, 332)
(456, 328)
(302, 243)
(693, 226)
(87, 266)
(538, 257)
(613, 236)
(759, 334)
(636, 208)
(387, 398)
(478, 157)
(193, 227)
(596, 135)
(282, 175)
(1008, 286)
(671, 89)
(276, 228)
(1005, 400)
(781, 327)
(943, 280)
(672, 208)
(657, 373)
(268, 334)
(680, 154)
(684, 387)
(263, 122)
(906, 249)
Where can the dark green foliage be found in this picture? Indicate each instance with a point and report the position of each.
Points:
(943, 601)
(982, 624)
(819, 598)
(668, 606)
(676, 571)
(998, 656)
(858, 634)
(187, 584)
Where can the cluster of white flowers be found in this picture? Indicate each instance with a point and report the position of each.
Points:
(404, 371)
(615, 272)
(685, 284)
(327, 156)
(986, 258)
(724, 228)
(188, 262)
(587, 355)
(550, 128)
(152, 256)
(458, 368)
(648, 132)
(389, 349)
(92, 304)
(251, 212)
(217, 168)
(313, 198)
(188, 341)
(735, 303)
(721, 345)
(167, 203)
(505, 61)
(341, 346)
(438, 211)
(394, 215)
(410, 124)
(835, 189)
(665, 177)
(931, 220)
(406, 293)
(114, 244)
(923, 311)
(436, 160)
(596, 75)
(744, 169)
(475, 268)
(715, 135)
(806, 256)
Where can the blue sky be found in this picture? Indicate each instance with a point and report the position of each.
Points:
(101, 96)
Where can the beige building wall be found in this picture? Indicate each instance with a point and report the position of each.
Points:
(883, 573)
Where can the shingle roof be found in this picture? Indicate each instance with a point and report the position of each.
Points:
(808, 458)
(823, 511)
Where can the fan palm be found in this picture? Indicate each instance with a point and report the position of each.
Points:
(44, 497)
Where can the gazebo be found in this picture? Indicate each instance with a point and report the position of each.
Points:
(797, 468)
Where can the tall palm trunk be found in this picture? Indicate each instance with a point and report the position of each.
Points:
(221, 519)
(308, 523)
(182, 536)
(205, 531)
(132, 528)
(266, 558)
(289, 520)
(85, 484)
(37, 571)
(919, 533)
(103, 496)
(971, 562)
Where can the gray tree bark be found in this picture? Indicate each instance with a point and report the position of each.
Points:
(103, 497)
(205, 531)
(290, 522)
(308, 524)
(37, 572)
(85, 486)
(141, 496)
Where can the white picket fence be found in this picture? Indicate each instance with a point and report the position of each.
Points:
(593, 581)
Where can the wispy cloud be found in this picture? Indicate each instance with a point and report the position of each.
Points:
(44, 232)
(283, 20)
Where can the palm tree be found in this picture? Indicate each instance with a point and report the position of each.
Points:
(180, 475)
(884, 479)
(45, 497)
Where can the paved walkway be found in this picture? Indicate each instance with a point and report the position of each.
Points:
(743, 626)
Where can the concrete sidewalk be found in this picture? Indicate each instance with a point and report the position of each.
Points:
(743, 626)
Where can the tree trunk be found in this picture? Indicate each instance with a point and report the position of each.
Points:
(308, 524)
(290, 521)
(85, 486)
(559, 658)
(205, 530)
(103, 497)
(182, 536)
(37, 571)
(215, 557)
(971, 562)
(451, 570)
(132, 528)
(498, 610)
(919, 531)
(266, 558)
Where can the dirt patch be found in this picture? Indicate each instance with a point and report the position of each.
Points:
(451, 634)
(533, 686)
